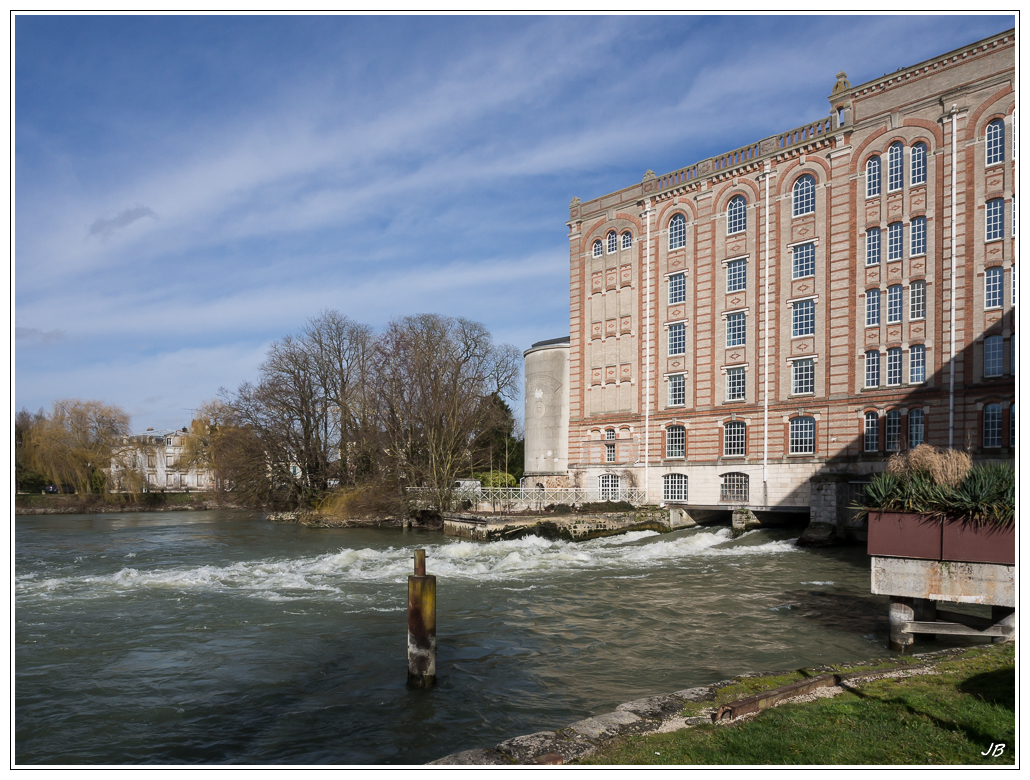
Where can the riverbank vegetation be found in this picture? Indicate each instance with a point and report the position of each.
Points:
(341, 419)
(958, 713)
(943, 483)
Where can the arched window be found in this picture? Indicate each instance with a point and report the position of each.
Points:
(674, 487)
(613, 242)
(916, 427)
(893, 430)
(871, 432)
(895, 168)
(996, 142)
(675, 441)
(627, 240)
(677, 232)
(992, 425)
(919, 164)
(804, 195)
(872, 177)
(598, 248)
(734, 488)
(802, 436)
(608, 484)
(736, 215)
(734, 438)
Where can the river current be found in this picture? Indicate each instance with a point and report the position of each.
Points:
(216, 637)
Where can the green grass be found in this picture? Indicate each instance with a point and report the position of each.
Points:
(946, 718)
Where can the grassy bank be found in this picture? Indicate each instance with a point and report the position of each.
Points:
(950, 716)
(86, 503)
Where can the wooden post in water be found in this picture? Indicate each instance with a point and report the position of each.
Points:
(421, 625)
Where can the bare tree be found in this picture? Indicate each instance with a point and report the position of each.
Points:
(439, 376)
(76, 442)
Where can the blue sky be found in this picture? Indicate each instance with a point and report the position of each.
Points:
(189, 189)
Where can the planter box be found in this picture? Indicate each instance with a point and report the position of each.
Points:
(901, 535)
(964, 541)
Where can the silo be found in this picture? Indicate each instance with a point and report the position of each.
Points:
(547, 414)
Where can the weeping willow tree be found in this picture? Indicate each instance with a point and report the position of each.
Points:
(76, 442)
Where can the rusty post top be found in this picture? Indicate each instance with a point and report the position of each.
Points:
(420, 563)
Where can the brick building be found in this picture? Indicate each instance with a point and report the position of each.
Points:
(789, 313)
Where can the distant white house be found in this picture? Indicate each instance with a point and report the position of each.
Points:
(156, 456)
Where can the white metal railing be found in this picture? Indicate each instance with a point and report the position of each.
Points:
(534, 498)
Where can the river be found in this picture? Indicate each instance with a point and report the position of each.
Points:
(216, 637)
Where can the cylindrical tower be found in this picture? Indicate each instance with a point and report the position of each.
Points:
(547, 414)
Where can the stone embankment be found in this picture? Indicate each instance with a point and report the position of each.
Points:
(87, 507)
(573, 527)
(313, 519)
(664, 713)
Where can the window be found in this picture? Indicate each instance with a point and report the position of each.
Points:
(677, 390)
(917, 233)
(872, 307)
(872, 177)
(993, 351)
(894, 295)
(736, 325)
(598, 248)
(894, 366)
(609, 487)
(916, 427)
(995, 219)
(872, 246)
(804, 195)
(675, 441)
(678, 232)
(609, 434)
(996, 142)
(802, 436)
(734, 488)
(678, 339)
(674, 487)
(736, 215)
(627, 240)
(736, 275)
(804, 260)
(735, 384)
(871, 432)
(994, 287)
(609, 453)
(613, 242)
(804, 318)
(917, 300)
(895, 170)
(894, 242)
(892, 430)
(872, 368)
(803, 376)
(992, 425)
(677, 288)
(918, 164)
(733, 438)
(917, 364)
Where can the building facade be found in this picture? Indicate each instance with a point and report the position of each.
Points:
(805, 305)
(153, 461)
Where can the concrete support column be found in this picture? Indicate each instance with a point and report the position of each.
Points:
(902, 611)
(1006, 618)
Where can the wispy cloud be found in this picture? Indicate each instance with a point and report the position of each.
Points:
(105, 227)
(36, 337)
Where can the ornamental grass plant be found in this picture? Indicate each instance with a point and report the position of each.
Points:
(943, 483)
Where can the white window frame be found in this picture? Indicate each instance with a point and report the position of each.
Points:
(736, 328)
(797, 271)
(736, 215)
(994, 356)
(736, 380)
(734, 439)
(804, 195)
(895, 167)
(871, 432)
(895, 241)
(917, 237)
(916, 423)
(674, 487)
(994, 287)
(802, 435)
(677, 388)
(995, 225)
(995, 142)
(675, 442)
(918, 166)
(917, 364)
(736, 280)
(873, 177)
(917, 300)
(677, 338)
(677, 232)
(895, 298)
(894, 367)
(872, 368)
(872, 246)
(872, 307)
(802, 375)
